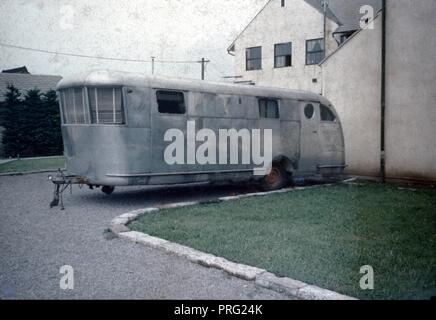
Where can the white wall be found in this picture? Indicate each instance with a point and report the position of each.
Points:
(352, 83)
(296, 23)
(411, 89)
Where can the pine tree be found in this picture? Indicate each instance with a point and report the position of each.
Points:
(11, 136)
(53, 134)
(32, 125)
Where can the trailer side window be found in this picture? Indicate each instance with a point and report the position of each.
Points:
(269, 108)
(309, 111)
(172, 102)
(106, 105)
(327, 114)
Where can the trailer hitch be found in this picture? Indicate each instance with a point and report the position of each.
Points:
(61, 183)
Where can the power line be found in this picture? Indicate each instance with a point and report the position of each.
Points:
(94, 57)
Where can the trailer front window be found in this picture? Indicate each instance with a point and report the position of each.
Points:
(327, 114)
(106, 105)
(73, 106)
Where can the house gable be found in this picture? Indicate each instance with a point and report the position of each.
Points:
(289, 26)
(284, 13)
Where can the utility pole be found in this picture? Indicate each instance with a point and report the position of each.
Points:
(203, 65)
(152, 65)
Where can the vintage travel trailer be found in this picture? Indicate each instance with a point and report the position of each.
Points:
(114, 126)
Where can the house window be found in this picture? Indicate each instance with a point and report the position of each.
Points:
(172, 102)
(343, 38)
(283, 55)
(106, 105)
(327, 114)
(254, 58)
(283, 3)
(314, 51)
(269, 108)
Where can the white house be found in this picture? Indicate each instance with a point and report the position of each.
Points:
(284, 43)
(353, 81)
(380, 78)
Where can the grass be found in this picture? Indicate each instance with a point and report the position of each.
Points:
(25, 165)
(321, 236)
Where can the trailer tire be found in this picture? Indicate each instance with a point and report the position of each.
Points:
(107, 189)
(277, 179)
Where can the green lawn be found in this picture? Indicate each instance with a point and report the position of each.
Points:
(24, 165)
(321, 236)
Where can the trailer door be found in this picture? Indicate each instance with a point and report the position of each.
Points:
(168, 112)
(310, 148)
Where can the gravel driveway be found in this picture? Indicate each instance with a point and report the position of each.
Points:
(36, 241)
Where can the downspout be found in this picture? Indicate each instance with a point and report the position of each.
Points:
(383, 97)
(324, 5)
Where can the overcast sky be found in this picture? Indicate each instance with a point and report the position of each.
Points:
(137, 29)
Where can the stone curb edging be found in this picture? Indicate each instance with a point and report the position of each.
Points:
(261, 277)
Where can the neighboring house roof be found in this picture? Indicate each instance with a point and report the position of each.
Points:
(346, 41)
(346, 13)
(318, 5)
(22, 69)
(25, 82)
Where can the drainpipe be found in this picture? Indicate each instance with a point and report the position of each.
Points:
(325, 5)
(383, 97)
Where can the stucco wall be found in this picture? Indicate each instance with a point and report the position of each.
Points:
(352, 82)
(296, 23)
(411, 89)
(351, 79)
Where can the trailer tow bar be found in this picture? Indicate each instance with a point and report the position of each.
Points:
(62, 182)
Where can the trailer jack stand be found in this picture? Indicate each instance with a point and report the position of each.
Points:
(55, 201)
(57, 195)
(61, 183)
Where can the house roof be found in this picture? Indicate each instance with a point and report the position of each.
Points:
(346, 13)
(22, 69)
(25, 82)
(355, 34)
(318, 5)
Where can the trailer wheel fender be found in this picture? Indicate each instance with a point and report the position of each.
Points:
(279, 175)
(286, 164)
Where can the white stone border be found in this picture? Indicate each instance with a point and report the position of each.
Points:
(261, 277)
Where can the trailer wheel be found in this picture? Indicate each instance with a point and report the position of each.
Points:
(276, 179)
(107, 189)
